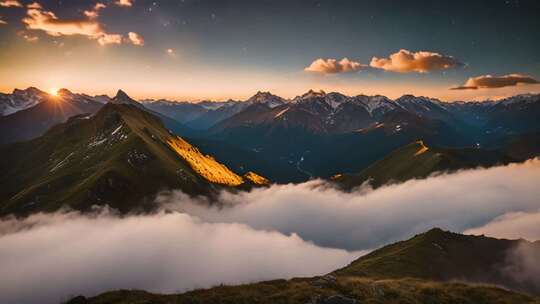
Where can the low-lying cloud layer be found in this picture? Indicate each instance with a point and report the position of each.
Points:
(50, 258)
(512, 225)
(258, 235)
(355, 221)
(489, 82)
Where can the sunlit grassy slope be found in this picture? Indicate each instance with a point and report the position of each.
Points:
(418, 160)
(204, 165)
(121, 157)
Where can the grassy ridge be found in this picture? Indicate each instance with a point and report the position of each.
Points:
(417, 160)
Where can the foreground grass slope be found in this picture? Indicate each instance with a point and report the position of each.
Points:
(342, 290)
(432, 267)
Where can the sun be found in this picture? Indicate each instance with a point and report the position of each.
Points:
(53, 91)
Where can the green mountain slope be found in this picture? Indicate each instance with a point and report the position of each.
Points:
(441, 255)
(413, 271)
(417, 160)
(121, 157)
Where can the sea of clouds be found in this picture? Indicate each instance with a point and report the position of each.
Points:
(278, 232)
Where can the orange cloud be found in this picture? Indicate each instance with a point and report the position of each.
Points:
(405, 61)
(94, 12)
(333, 66)
(10, 3)
(124, 2)
(2, 22)
(34, 5)
(489, 81)
(105, 39)
(136, 39)
(47, 21)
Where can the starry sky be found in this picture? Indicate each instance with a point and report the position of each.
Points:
(220, 49)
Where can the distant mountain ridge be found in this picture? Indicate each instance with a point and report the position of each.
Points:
(316, 134)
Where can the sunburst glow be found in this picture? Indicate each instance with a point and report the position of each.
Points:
(53, 91)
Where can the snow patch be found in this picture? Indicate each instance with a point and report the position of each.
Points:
(281, 112)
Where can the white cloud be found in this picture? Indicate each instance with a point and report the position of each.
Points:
(10, 3)
(48, 258)
(489, 81)
(512, 225)
(333, 66)
(136, 39)
(523, 266)
(368, 219)
(406, 61)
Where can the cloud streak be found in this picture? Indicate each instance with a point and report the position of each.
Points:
(10, 3)
(369, 219)
(39, 19)
(165, 252)
(333, 66)
(405, 61)
(490, 82)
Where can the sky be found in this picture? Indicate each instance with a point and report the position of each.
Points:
(219, 49)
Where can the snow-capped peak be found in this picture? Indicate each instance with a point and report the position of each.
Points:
(266, 98)
(377, 103)
(20, 100)
(311, 94)
(523, 98)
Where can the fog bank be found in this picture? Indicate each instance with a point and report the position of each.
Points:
(49, 258)
(371, 218)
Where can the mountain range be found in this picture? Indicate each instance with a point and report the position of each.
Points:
(433, 267)
(66, 144)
